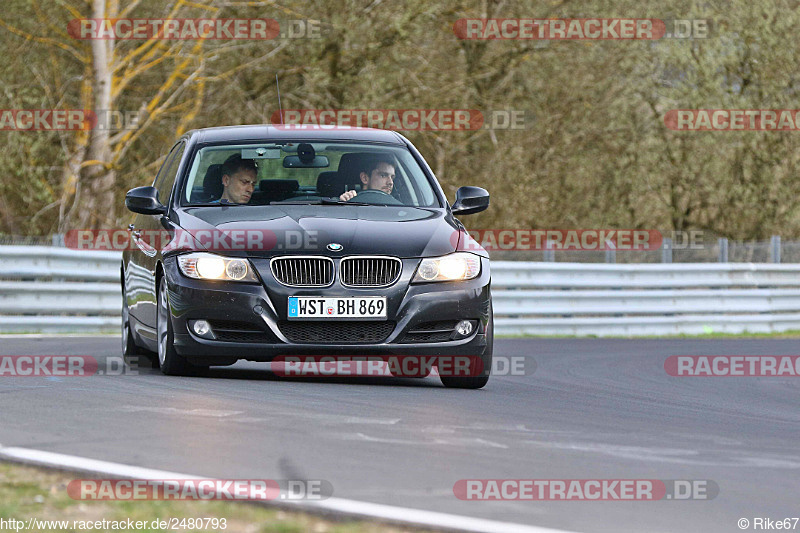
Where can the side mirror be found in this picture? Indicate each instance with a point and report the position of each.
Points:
(470, 200)
(144, 200)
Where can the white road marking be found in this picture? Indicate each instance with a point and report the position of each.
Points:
(675, 455)
(457, 441)
(341, 419)
(182, 412)
(637, 453)
(403, 515)
(492, 444)
(322, 418)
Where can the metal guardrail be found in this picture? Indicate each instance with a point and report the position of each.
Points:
(644, 299)
(51, 290)
(36, 262)
(47, 289)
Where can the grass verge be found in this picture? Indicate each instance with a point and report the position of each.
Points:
(31, 492)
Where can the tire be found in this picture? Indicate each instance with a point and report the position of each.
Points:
(132, 353)
(171, 362)
(476, 382)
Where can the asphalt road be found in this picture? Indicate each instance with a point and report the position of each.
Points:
(593, 409)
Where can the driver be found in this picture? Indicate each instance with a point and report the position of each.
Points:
(239, 179)
(380, 178)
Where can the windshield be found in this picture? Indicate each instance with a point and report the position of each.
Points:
(309, 173)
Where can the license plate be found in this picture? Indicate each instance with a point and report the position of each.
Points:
(311, 307)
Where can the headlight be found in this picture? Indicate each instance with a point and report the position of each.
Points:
(202, 265)
(454, 267)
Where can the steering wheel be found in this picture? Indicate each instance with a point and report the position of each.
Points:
(378, 197)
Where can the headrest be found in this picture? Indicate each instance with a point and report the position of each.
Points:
(352, 165)
(327, 184)
(212, 184)
(350, 168)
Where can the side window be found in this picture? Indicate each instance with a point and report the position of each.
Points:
(166, 177)
(164, 166)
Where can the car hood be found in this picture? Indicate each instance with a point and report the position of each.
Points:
(267, 231)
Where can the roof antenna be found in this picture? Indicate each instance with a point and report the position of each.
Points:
(280, 109)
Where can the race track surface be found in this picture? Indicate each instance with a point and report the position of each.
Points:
(592, 409)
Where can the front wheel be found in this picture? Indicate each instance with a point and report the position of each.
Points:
(171, 362)
(132, 352)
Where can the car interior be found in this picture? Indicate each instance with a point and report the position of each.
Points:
(329, 184)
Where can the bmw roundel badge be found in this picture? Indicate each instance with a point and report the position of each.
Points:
(335, 247)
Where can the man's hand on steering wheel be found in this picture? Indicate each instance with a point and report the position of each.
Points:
(349, 195)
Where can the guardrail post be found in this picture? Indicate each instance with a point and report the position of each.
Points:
(666, 250)
(611, 256)
(723, 250)
(549, 252)
(775, 249)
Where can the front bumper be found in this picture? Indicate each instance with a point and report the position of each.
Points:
(265, 306)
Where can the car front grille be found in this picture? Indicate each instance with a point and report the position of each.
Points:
(303, 271)
(327, 332)
(369, 271)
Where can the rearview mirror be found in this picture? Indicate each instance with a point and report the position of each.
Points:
(294, 161)
(470, 200)
(144, 200)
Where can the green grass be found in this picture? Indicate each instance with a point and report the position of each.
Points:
(30, 492)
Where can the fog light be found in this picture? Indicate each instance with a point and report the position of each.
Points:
(201, 328)
(464, 328)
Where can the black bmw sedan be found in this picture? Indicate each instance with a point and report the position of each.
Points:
(262, 242)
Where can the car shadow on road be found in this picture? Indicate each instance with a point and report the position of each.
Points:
(252, 373)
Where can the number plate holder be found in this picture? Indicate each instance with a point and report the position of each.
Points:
(345, 308)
